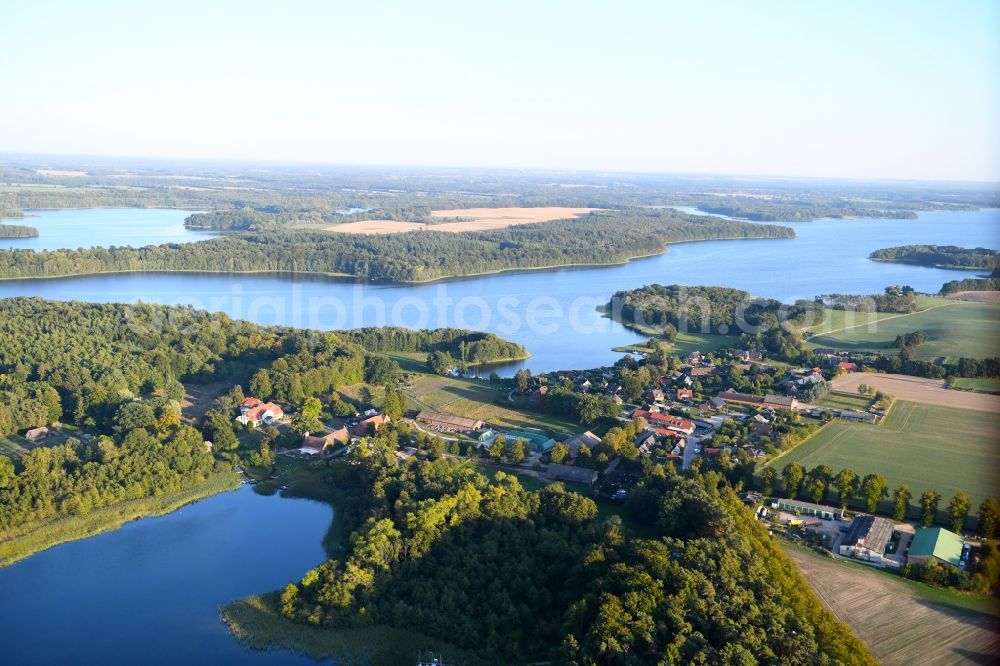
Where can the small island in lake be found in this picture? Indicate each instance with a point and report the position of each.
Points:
(17, 231)
(940, 256)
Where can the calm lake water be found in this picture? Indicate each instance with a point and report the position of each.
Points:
(149, 593)
(552, 313)
(103, 227)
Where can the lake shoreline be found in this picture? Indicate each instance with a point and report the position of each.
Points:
(109, 518)
(256, 623)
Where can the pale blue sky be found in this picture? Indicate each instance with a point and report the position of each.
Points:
(883, 89)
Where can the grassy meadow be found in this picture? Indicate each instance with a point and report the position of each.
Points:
(954, 329)
(978, 384)
(924, 446)
(839, 400)
(685, 343)
(477, 399)
(472, 398)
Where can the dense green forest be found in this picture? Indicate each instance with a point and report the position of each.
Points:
(519, 575)
(473, 347)
(940, 256)
(239, 219)
(599, 238)
(17, 231)
(116, 372)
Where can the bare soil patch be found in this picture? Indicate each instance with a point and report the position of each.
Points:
(198, 399)
(918, 389)
(899, 624)
(980, 296)
(466, 219)
(379, 227)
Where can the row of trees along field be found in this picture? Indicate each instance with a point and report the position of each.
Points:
(869, 492)
(17, 231)
(897, 299)
(963, 367)
(520, 575)
(940, 256)
(599, 238)
(972, 284)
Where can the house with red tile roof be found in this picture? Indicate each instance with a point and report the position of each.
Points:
(363, 428)
(250, 403)
(318, 444)
(666, 421)
(263, 414)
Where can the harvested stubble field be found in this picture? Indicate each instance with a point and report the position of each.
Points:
(465, 219)
(918, 389)
(904, 622)
(980, 296)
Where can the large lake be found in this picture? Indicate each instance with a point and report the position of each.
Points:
(553, 312)
(149, 593)
(104, 227)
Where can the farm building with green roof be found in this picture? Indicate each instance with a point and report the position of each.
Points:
(935, 544)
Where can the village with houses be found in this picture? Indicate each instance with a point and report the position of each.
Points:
(687, 415)
(731, 412)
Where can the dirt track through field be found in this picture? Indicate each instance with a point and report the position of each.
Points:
(918, 389)
(820, 334)
(466, 219)
(897, 623)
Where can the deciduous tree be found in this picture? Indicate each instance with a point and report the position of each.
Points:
(901, 502)
(958, 510)
(929, 500)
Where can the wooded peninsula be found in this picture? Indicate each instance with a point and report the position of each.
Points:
(940, 256)
(17, 231)
(603, 237)
(517, 575)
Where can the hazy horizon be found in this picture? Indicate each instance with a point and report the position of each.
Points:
(151, 161)
(898, 91)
